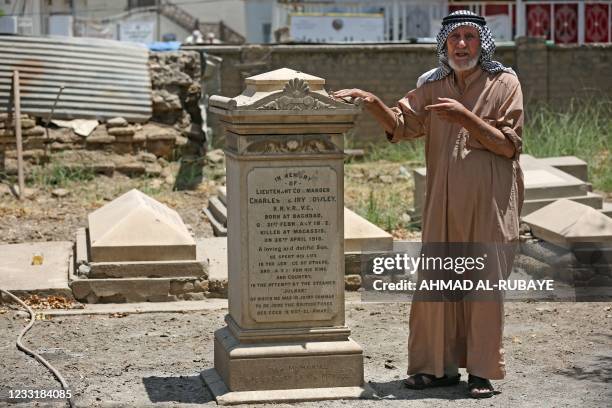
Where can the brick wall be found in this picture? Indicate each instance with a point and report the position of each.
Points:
(552, 74)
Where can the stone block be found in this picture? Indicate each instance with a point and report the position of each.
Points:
(315, 364)
(360, 235)
(34, 131)
(153, 169)
(131, 169)
(123, 147)
(116, 122)
(135, 227)
(352, 282)
(121, 131)
(568, 164)
(567, 222)
(593, 200)
(160, 148)
(100, 138)
(543, 181)
(606, 209)
(49, 278)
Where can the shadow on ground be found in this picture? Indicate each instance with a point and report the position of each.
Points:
(183, 389)
(395, 390)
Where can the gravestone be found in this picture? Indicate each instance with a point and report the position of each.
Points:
(135, 227)
(137, 249)
(286, 338)
(566, 222)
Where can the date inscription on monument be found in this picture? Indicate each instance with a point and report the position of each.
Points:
(293, 243)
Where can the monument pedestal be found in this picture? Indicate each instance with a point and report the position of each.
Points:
(285, 339)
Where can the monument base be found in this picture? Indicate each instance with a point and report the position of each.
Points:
(223, 396)
(285, 372)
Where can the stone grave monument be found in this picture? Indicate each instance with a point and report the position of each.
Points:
(285, 338)
(136, 249)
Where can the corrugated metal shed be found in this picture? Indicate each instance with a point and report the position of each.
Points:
(101, 78)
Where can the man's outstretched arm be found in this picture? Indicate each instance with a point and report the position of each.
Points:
(372, 103)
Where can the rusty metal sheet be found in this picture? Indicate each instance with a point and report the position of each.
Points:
(101, 78)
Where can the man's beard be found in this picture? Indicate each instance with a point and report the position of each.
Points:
(471, 63)
(465, 66)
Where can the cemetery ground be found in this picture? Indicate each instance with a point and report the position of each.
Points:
(557, 354)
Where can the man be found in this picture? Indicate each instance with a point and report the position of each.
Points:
(470, 111)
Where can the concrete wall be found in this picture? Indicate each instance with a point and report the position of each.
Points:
(551, 74)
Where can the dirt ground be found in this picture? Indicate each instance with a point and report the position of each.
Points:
(557, 355)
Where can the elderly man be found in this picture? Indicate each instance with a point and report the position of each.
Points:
(470, 111)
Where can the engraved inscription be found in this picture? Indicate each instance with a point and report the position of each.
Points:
(293, 243)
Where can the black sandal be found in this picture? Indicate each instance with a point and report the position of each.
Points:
(420, 384)
(479, 383)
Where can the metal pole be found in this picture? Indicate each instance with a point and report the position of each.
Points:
(17, 108)
(49, 119)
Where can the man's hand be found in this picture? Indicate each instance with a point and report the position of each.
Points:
(354, 93)
(381, 112)
(450, 110)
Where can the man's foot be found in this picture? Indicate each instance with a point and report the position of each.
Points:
(422, 381)
(480, 387)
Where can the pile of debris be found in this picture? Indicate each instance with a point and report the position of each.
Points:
(174, 130)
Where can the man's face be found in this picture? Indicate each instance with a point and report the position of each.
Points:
(463, 48)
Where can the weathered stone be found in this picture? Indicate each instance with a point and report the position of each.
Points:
(161, 148)
(64, 135)
(60, 192)
(116, 122)
(568, 164)
(130, 169)
(352, 282)
(100, 138)
(215, 156)
(135, 227)
(121, 131)
(153, 169)
(147, 157)
(162, 134)
(201, 286)
(34, 131)
(565, 222)
(26, 123)
(181, 141)
(360, 235)
(139, 137)
(82, 127)
(123, 147)
(194, 296)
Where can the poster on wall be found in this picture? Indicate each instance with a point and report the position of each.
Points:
(137, 31)
(322, 28)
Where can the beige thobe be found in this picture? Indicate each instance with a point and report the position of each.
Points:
(473, 195)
